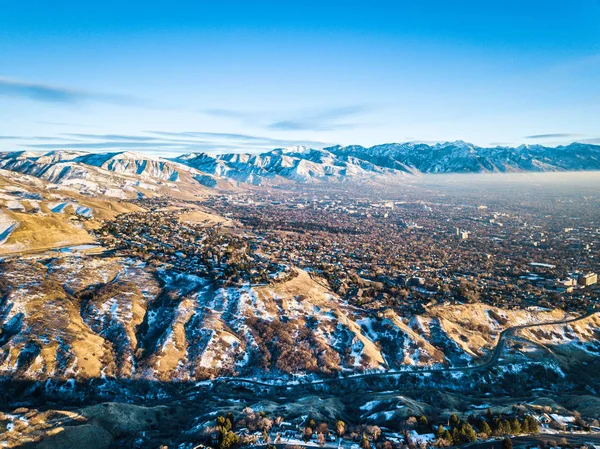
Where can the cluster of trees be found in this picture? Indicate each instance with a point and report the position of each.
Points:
(292, 346)
(514, 426)
(311, 428)
(457, 432)
(254, 421)
(501, 426)
(226, 438)
(159, 237)
(461, 432)
(362, 434)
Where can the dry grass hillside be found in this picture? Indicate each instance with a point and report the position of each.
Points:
(476, 327)
(36, 215)
(100, 426)
(88, 316)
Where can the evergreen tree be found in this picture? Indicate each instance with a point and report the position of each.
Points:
(229, 418)
(468, 433)
(504, 427)
(515, 426)
(507, 443)
(485, 428)
(496, 426)
(223, 424)
(447, 436)
(423, 424)
(440, 431)
(454, 421)
(532, 424)
(229, 440)
(456, 435)
(224, 430)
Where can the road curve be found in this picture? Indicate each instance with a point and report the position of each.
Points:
(493, 359)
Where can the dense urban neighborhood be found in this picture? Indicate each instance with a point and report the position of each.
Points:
(393, 253)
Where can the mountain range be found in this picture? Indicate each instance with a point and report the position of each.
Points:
(129, 174)
(462, 157)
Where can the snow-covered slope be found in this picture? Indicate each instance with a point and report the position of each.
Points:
(129, 174)
(381, 162)
(78, 317)
(38, 215)
(123, 175)
(462, 157)
(299, 164)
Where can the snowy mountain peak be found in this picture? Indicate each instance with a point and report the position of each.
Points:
(305, 164)
(295, 149)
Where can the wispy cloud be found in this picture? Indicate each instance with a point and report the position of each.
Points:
(40, 138)
(205, 134)
(96, 145)
(327, 119)
(323, 119)
(56, 94)
(160, 138)
(233, 140)
(161, 142)
(551, 136)
(244, 140)
(169, 142)
(69, 125)
(112, 137)
(308, 125)
(230, 113)
(592, 140)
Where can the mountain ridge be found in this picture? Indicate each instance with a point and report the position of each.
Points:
(299, 164)
(355, 161)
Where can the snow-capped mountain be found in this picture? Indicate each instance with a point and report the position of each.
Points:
(299, 164)
(462, 157)
(122, 174)
(129, 174)
(338, 163)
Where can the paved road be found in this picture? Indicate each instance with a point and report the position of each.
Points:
(493, 360)
(204, 386)
(519, 441)
(535, 440)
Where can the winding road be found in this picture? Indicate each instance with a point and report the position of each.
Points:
(493, 360)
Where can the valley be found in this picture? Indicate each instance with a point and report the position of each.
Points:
(374, 301)
(300, 225)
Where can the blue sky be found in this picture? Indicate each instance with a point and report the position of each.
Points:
(179, 76)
